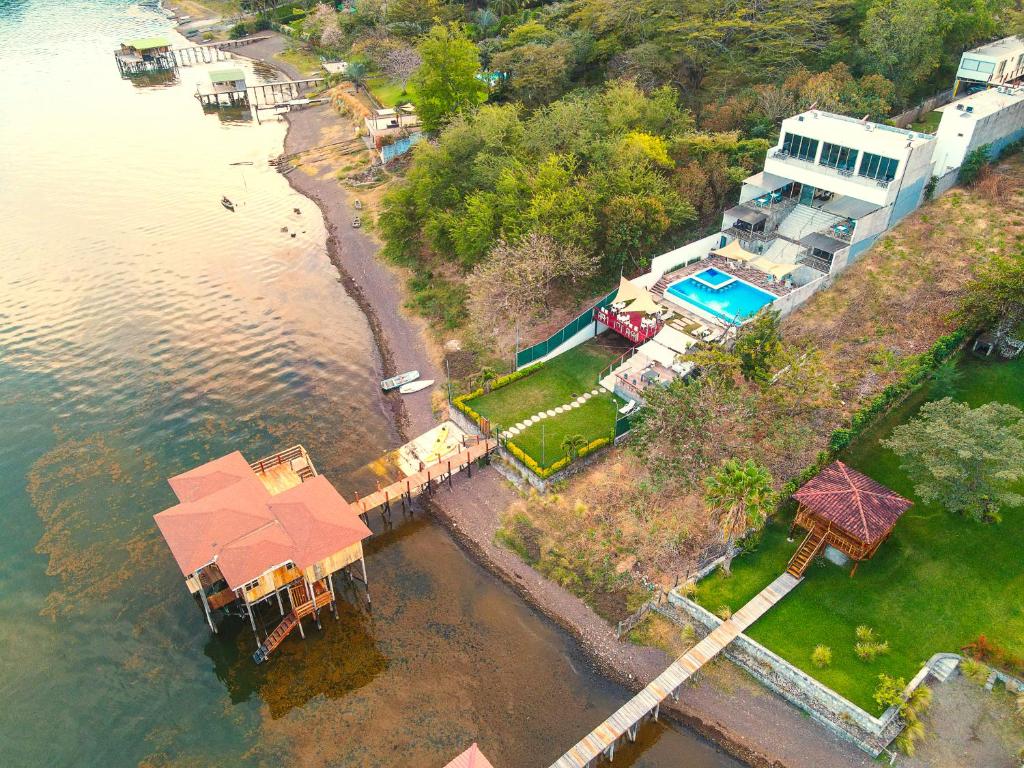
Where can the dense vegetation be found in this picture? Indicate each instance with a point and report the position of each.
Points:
(615, 129)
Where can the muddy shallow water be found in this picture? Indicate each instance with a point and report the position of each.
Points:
(144, 329)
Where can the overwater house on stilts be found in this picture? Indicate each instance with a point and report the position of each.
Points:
(846, 514)
(247, 534)
(227, 87)
(147, 54)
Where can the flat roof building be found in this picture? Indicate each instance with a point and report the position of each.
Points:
(993, 117)
(991, 64)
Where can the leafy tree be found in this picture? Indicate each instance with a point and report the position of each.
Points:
(446, 82)
(995, 298)
(537, 72)
(902, 40)
(966, 459)
(742, 497)
(758, 347)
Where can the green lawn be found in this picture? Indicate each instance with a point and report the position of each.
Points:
(594, 419)
(387, 92)
(558, 382)
(935, 585)
(929, 122)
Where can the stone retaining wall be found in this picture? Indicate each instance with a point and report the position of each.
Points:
(838, 714)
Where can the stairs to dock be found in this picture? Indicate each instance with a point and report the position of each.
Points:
(304, 607)
(807, 551)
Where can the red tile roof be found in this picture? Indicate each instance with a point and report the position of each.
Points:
(227, 516)
(471, 758)
(863, 508)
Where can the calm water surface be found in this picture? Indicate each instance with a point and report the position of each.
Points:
(144, 329)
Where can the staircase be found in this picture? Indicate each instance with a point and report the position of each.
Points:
(659, 287)
(299, 596)
(804, 220)
(802, 558)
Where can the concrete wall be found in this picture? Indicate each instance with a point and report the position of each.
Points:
(907, 201)
(904, 119)
(824, 705)
(698, 249)
(786, 304)
(997, 119)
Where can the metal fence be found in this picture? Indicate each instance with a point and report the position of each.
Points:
(539, 350)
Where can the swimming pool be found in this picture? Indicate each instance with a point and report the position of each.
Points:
(721, 294)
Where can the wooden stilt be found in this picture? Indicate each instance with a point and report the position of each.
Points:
(206, 607)
(280, 605)
(365, 580)
(334, 597)
(252, 620)
(449, 474)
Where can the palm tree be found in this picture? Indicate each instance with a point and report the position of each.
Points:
(487, 375)
(357, 72)
(741, 495)
(573, 444)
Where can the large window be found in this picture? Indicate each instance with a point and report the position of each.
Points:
(976, 65)
(878, 167)
(836, 156)
(800, 146)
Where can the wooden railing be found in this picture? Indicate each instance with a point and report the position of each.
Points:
(295, 452)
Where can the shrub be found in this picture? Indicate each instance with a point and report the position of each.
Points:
(870, 651)
(973, 165)
(724, 612)
(974, 671)
(822, 656)
(865, 634)
(983, 649)
(906, 742)
(889, 691)
(239, 30)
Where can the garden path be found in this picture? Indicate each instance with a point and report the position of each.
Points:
(515, 430)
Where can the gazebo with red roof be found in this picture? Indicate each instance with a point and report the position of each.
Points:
(247, 533)
(471, 758)
(844, 509)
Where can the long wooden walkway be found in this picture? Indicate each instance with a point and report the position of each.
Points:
(426, 479)
(625, 721)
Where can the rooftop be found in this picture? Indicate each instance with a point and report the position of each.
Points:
(471, 758)
(229, 516)
(226, 75)
(999, 47)
(881, 133)
(984, 103)
(148, 43)
(863, 508)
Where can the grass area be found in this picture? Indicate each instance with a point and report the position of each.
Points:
(388, 92)
(935, 585)
(929, 123)
(658, 632)
(304, 61)
(558, 382)
(594, 419)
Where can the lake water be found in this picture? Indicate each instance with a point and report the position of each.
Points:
(145, 329)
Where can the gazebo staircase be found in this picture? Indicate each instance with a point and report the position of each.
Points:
(808, 550)
(304, 607)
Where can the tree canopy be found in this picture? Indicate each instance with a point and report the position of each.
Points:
(446, 82)
(969, 460)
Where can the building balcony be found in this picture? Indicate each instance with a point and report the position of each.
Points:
(827, 170)
(807, 259)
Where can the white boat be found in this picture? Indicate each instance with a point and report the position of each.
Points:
(416, 386)
(397, 381)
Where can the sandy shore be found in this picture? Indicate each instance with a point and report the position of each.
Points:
(725, 706)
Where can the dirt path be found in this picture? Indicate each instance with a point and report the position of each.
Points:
(725, 706)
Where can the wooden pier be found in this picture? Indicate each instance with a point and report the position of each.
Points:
(131, 62)
(475, 447)
(626, 720)
(273, 94)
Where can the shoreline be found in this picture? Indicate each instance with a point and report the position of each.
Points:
(753, 726)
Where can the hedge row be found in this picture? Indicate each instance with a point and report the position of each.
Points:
(916, 375)
(460, 402)
(545, 472)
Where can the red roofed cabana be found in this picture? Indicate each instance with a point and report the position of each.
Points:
(246, 533)
(471, 758)
(844, 509)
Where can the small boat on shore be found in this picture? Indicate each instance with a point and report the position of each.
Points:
(227, 203)
(416, 386)
(396, 381)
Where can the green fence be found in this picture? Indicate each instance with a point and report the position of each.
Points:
(622, 426)
(537, 351)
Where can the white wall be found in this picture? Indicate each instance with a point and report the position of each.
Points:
(998, 117)
(683, 255)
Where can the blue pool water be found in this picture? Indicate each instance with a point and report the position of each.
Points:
(714, 277)
(734, 302)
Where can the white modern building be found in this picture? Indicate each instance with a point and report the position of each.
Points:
(991, 64)
(994, 117)
(829, 187)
